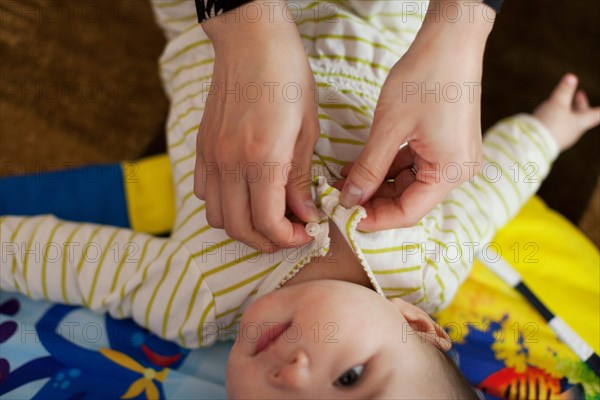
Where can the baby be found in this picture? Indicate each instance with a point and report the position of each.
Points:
(344, 316)
(381, 348)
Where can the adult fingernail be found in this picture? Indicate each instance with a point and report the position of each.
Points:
(570, 79)
(351, 195)
(311, 210)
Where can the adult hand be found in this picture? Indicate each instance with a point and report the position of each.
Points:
(430, 100)
(258, 131)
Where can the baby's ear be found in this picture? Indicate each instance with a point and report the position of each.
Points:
(422, 323)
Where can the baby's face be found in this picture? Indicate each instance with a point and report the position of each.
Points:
(333, 339)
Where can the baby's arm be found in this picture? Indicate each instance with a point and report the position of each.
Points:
(103, 268)
(518, 154)
(519, 151)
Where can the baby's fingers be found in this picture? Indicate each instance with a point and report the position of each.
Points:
(581, 101)
(588, 119)
(563, 93)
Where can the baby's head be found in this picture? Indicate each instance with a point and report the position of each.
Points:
(333, 339)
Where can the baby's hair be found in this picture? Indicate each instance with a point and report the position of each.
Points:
(458, 387)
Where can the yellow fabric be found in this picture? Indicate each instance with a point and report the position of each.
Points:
(150, 194)
(564, 272)
(561, 266)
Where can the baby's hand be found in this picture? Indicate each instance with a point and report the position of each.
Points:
(567, 114)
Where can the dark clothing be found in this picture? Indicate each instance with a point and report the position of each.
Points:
(210, 8)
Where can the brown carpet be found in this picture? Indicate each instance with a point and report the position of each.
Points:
(79, 82)
(79, 85)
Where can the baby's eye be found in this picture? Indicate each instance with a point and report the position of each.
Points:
(350, 377)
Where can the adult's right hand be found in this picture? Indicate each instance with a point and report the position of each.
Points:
(442, 129)
(258, 131)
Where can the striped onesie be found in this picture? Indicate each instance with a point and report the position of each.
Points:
(193, 287)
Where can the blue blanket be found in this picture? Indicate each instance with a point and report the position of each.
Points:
(60, 352)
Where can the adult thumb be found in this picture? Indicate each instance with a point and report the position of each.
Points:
(369, 170)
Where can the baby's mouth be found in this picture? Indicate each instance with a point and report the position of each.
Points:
(270, 336)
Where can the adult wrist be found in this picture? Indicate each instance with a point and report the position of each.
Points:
(467, 21)
(256, 21)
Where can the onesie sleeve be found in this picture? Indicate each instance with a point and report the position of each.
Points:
(518, 154)
(153, 280)
(211, 8)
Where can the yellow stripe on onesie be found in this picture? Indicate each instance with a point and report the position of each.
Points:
(193, 286)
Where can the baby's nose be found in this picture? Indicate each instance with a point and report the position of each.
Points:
(293, 375)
